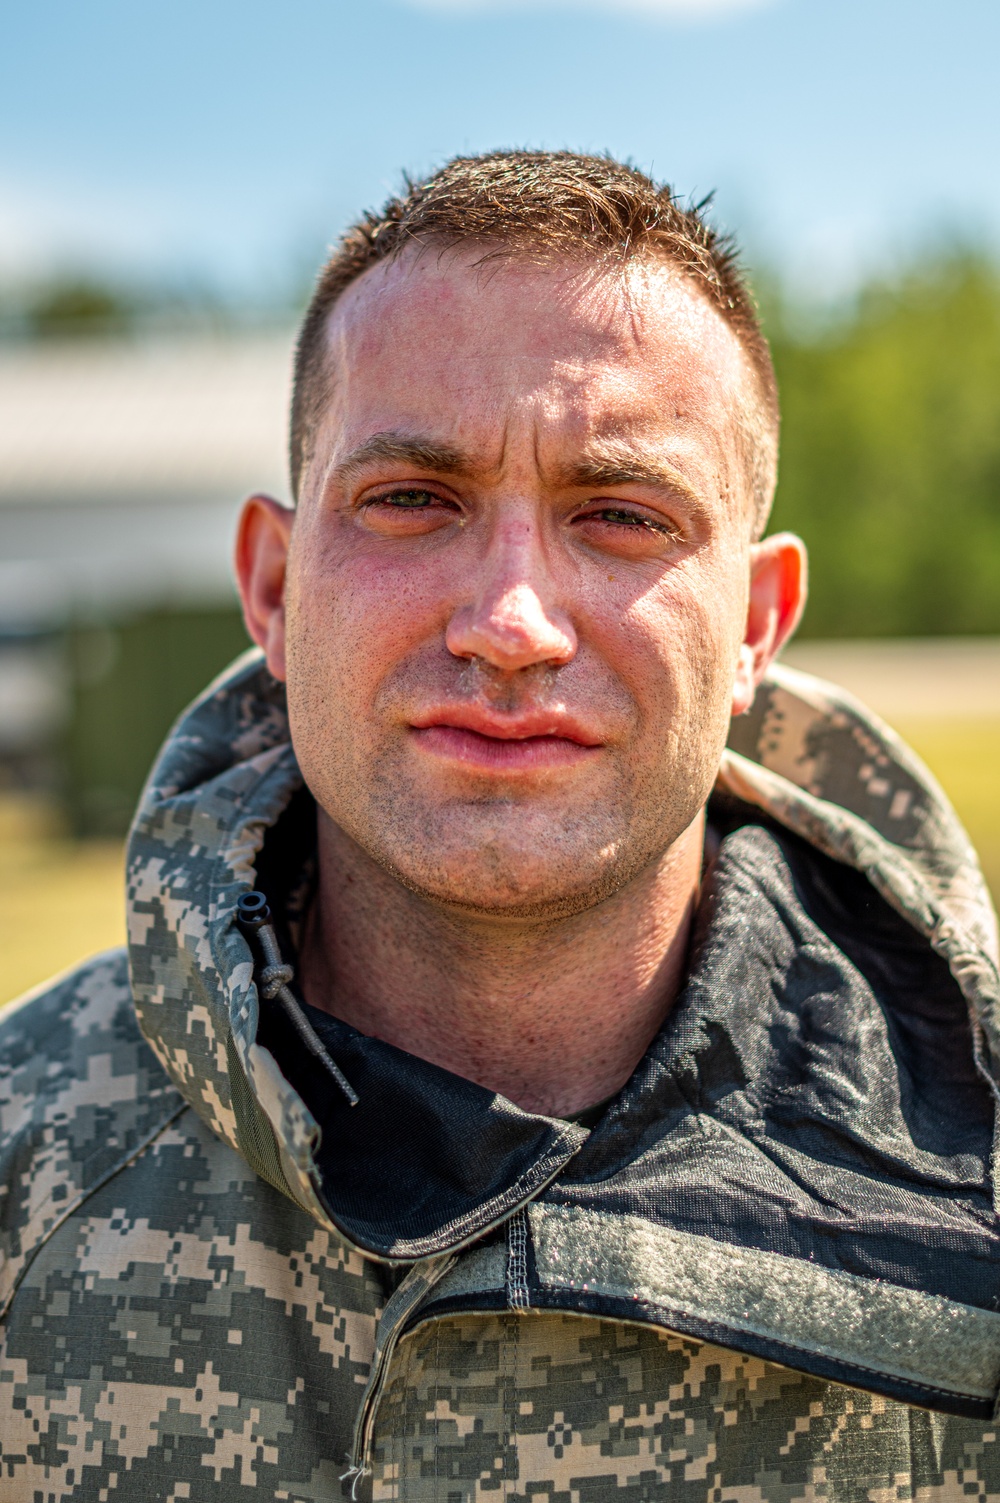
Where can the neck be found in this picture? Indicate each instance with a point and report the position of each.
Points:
(552, 1014)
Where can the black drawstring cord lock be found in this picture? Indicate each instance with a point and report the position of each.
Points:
(274, 979)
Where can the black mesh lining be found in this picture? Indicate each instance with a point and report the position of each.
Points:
(814, 1091)
(426, 1158)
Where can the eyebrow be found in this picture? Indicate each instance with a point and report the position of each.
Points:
(623, 466)
(614, 466)
(422, 452)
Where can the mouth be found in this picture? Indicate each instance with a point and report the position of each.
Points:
(504, 743)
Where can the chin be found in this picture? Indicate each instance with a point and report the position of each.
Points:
(502, 884)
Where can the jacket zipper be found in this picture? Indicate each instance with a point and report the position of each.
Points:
(415, 1286)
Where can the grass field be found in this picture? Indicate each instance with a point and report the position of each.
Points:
(965, 758)
(61, 900)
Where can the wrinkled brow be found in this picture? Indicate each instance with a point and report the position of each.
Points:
(402, 448)
(618, 466)
(625, 468)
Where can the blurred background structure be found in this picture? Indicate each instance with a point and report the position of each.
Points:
(122, 465)
(171, 177)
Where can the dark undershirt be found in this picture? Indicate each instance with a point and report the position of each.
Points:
(591, 1115)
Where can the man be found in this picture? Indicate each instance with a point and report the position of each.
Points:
(535, 1097)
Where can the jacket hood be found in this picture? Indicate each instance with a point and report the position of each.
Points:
(810, 758)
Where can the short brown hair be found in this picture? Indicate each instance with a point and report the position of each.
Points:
(553, 204)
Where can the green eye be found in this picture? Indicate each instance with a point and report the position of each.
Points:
(631, 521)
(410, 500)
(628, 518)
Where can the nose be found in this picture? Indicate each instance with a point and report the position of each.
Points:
(513, 620)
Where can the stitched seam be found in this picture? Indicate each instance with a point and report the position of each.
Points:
(86, 1195)
(437, 1419)
(663, 1314)
(514, 1390)
(663, 1317)
(517, 1261)
(403, 1386)
(508, 1331)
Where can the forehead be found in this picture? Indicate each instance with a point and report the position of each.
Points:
(437, 336)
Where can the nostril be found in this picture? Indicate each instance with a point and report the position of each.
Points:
(511, 628)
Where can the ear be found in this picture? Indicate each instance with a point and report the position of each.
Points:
(778, 568)
(262, 541)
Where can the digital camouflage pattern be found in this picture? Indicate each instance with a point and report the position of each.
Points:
(183, 1320)
(576, 1410)
(180, 1329)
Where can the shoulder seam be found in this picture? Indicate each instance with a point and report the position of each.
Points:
(50, 984)
(74, 1205)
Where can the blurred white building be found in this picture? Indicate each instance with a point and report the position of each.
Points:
(122, 468)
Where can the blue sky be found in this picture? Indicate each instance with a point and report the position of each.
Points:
(231, 139)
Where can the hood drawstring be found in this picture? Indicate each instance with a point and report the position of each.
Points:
(273, 981)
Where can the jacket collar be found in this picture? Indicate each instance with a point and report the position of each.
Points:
(808, 757)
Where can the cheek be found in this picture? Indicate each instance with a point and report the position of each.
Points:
(353, 614)
(681, 641)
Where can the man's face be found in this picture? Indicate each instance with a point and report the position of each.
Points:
(517, 581)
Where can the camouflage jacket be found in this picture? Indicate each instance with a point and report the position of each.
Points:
(770, 1272)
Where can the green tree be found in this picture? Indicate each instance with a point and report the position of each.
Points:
(79, 308)
(891, 455)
